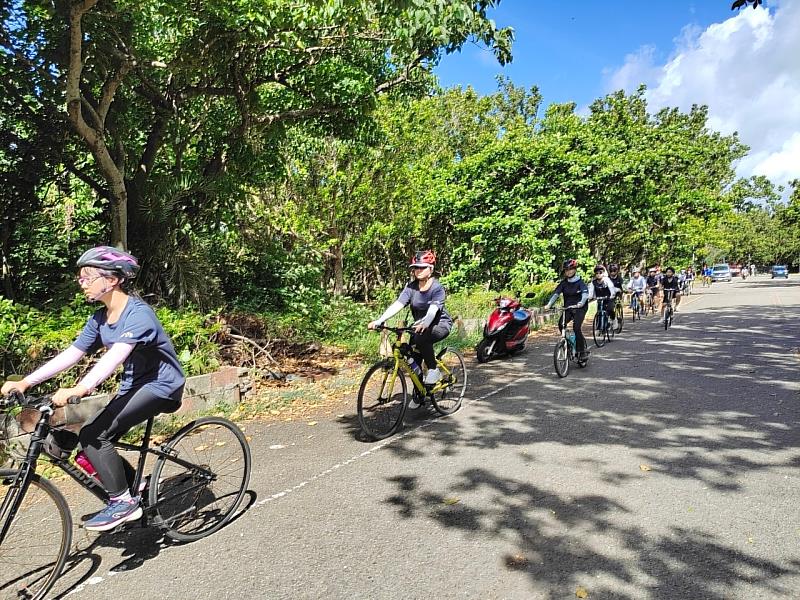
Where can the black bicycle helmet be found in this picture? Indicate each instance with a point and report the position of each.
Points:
(669, 269)
(613, 267)
(110, 259)
(570, 263)
(599, 269)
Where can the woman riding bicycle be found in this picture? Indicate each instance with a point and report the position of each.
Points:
(432, 324)
(152, 378)
(576, 294)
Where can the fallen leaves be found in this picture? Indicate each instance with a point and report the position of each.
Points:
(451, 501)
(582, 592)
(645, 467)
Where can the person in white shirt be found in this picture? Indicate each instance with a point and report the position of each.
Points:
(637, 285)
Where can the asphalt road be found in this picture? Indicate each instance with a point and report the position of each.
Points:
(668, 468)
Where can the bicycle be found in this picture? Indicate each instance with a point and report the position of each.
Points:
(602, 328)
(650, 304)
(636, 306)
(668, 309)
(189, 494)
(383, 394)
(566, 350)
(618, 313)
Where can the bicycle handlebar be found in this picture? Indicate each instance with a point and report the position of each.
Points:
(17, 398)
(397, 330)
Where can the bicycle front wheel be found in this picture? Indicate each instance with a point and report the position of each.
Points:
(195, 500)
(598, 332)
(454, 375)
(620, 317)
(38, 539)
(382, 400)
(561, 358)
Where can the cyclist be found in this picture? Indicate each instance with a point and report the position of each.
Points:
(152, 378)
(615, 276)
(637, 285)
(652, 285)
(432, 324)
(576, 294)
(670, 282)
(689, 279)
(602, 287)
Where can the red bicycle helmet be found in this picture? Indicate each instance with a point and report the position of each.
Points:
(423, 258)
(570, 263)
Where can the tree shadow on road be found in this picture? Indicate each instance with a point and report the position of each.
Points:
(563, 542)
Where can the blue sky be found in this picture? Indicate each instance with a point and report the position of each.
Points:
(566, 47)
(744, 65)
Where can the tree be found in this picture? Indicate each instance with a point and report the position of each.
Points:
(202, 90)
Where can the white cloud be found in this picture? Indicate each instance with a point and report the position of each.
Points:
(747, 70)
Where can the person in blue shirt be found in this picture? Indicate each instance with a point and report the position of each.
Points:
(425, 295)
(576, 294)
(152, 378)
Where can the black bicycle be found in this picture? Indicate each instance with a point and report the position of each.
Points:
(668, 309)
(602, 328)
(199, 479)
(566, 350)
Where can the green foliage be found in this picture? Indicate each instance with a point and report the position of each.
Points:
(29, 337)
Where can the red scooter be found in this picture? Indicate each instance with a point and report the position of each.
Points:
(506, 331)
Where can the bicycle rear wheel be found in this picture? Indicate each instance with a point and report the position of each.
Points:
(561, 358)
(619, 314)
(38, 540)
(448, 400)
(598, 332)
(192, 502)
(382, 400)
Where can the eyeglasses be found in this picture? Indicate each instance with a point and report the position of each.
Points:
(87, 280)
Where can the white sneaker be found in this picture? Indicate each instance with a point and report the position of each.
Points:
(413, 404)
(432, 376)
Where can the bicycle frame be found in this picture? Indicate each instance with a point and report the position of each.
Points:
(400, 353)
(86, 481)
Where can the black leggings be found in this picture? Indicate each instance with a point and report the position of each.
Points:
(424, 342)
(98, 435)
(576, 315)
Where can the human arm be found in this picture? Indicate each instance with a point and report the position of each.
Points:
(554, 297)
(115, 356)
(61, 362)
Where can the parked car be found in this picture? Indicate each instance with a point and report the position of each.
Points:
(780, 271)
(720, 273)
(736, 270)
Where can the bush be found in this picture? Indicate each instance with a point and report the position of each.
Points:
(29, 337)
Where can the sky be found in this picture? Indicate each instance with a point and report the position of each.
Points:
(745, 65)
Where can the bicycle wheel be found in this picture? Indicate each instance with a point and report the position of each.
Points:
(667, 318)
(382, 400)
(561, 358)
(454, 373)
(190, 503)
(598, 332)
(38, 539)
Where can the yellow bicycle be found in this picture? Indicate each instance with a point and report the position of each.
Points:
(383, 396)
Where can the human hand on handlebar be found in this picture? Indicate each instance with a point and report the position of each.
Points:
(62, 395)
(372, 325)
(14, 386)
(419, 327)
